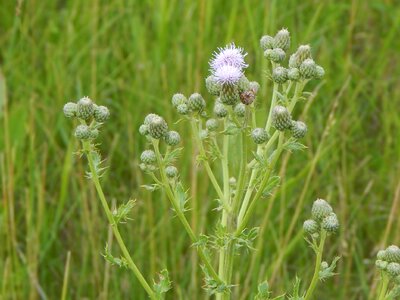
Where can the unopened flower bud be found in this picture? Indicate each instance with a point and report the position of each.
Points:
(259, 135)
(299, 129)
(279, 75)
(282, 39)
(82, 132)
(220, 111)
(144, 129)
(232, 182)
(303, 53)
(243, 84)
(393, 269)
(171, 171)
(266, 42)
(381, 255)
(308, 68)
(70, 109)
(293, 74)
(213, 86)
(240, 109)
(101, 113)
(212, 124)
(85, 108)
(178, 99)
(148, 157)
(182, 109)
(324, 265)
(276, 55)
(281, 118)
(203, 134)
(196, 102)
(381, 264)
(158, 127)
(172, 138)
(254, 86)
(320, 209)
(94, 133)
(149, 118)
(330, 223)
(310, 226)
(319, 72)
(392, 254)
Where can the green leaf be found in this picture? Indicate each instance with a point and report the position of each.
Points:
(121, 214)
(272, 183)
(115, 261)
(329, 271)
(293, 145)
(163, 285)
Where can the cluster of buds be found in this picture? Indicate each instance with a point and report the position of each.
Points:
(185, 106)
(156, 128)
(90, 115)
(323, 218)
(228, 82)
(301, 64)
(388, 261)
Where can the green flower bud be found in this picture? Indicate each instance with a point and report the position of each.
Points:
(220, 111)
(299, 129)
(381, 255)
(70, 109)
(148, 157)
(303, 53)
(172, 138)
(393, 269)
(203, 114)
(212, 85)
(254, 86)
(259, 135)
(320, 209)
(308, 68)
(196, 102)
(310, 226)
(324, 265)
(319, 72)
(82, 132)
(158, 127)
(101, 114)
(280, 75)
(144, 129)
(330, 223)
(229, 94)
(392, 254)
(94, 133)
(293, 74)
(149, 118)
(240, 109)
(276, 55)
(282, 39)
(171, 172)
(281, 118)
(182, 109)
(243, 84)
(212, 124)
(381, 264)
(232, 182)
(178, 99)
(267, 42)
(203, 134)
(85, 108)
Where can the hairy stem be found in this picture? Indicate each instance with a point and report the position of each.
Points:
(88, 151)
(384, 287)
(318, 261)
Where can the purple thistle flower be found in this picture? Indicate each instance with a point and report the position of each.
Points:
(229, 55)
(228, 74)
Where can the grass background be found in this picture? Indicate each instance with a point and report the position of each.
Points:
(132, 56)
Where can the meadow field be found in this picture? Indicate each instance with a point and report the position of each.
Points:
(132, 56)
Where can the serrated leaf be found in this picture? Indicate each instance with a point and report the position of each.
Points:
(115, 261)
(272, 183)
(293, 145)
(328, 272)
(163, 285)
(121, 214)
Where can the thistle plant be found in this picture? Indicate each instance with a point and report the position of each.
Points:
(388, 263)
(217, 126)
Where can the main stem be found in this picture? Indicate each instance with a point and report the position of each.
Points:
(318, 261)
(125, 252)
(384, 287)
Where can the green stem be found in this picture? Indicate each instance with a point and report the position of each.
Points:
(180, 214)
(88, 151)
(264, 182)
(318, 261)
(384, 287)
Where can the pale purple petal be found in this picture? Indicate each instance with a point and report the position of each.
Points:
(229, 55)
(228, 74)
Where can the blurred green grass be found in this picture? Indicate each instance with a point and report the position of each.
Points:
(132, 56)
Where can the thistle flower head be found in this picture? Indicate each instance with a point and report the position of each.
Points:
(228, 75)
(230, 55)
